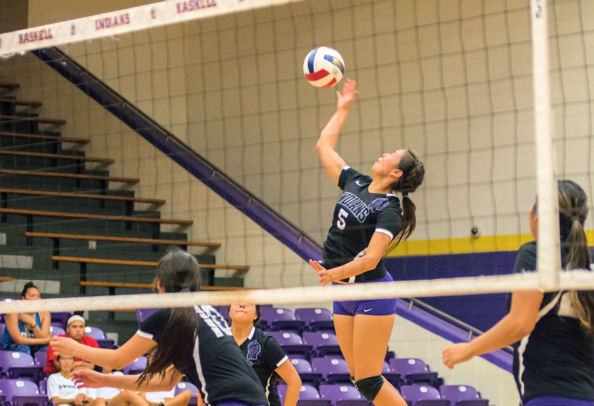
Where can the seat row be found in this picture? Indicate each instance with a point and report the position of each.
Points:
(415, 395)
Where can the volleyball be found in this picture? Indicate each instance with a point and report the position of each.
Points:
(323, 67)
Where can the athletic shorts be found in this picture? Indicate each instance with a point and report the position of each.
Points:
(554, 401)
(374, 307)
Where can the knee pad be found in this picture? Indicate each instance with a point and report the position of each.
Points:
(370, 387)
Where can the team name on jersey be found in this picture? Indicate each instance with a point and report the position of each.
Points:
(355, 205)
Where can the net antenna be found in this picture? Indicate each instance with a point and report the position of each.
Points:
(549, 254)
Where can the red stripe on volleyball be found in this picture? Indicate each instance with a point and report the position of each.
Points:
(316, 75)
(331, 83)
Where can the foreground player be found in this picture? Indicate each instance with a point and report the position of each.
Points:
(367, 218)
(554, 361)
(195, 342)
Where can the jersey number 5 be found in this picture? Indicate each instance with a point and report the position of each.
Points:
(341, 222)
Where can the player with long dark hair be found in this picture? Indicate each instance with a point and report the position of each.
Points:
(368, 219)
(554, 354)
(194, 341)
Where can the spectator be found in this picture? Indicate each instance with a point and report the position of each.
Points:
(75, 329)
(61, 390)
(27, 332)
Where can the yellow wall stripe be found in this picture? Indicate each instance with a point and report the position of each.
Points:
(469, 245)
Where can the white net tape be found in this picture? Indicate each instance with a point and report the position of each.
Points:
(577, 280)
(121, 22)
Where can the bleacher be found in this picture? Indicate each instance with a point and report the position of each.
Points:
(65, 218)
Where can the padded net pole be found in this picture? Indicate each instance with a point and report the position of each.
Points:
(549, 261)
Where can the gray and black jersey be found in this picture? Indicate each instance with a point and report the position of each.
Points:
(557, 358)
(265, 355)
(217, 368)
(357, 215)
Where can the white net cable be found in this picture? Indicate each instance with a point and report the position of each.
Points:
(575, 280)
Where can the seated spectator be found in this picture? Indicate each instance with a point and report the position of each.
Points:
(62, 390)
(75, 328)
(165, 398)
(27, 332)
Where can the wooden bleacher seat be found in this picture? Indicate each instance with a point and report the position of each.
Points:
(9, 86)
(70, 175)
(54, 121)
(157, 202)
(125, 239)
(45, 137)
(6, 279)
(30, 103)
(104, 161)
(242, 268)
(44, 213)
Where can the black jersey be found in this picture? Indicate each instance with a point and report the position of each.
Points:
(264, 354)
(217, 368)
(557, 358)
(357, 215)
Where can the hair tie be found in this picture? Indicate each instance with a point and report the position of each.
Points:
(404, 194)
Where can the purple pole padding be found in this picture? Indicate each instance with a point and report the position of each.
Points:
(228, 189)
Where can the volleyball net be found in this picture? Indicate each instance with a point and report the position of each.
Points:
(454, 82)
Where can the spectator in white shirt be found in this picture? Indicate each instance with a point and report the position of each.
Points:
(62, 390)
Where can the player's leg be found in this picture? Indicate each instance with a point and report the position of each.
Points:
(128, 398)
(371, 335)
(181, 399)
(343, 326)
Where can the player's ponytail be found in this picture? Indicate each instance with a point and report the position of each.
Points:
(573, 210)
(413, 173)
(177, 271)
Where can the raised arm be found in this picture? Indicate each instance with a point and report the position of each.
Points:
(116, 359)
(325, 146)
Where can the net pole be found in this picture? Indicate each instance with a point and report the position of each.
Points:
(549, 258)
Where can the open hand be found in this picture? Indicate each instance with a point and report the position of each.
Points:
(324, 275)
(349, 91)
(63, 346)
(88, 378)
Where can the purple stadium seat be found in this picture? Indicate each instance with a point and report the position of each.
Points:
(333, 369)
(22, 392)
(94, 332)
(182, 386)
(315, 318)
(291, 343)
(56, 329)
(43, 386)
(304, 370)
(60, 318)
(143, 314)
(135, 367)
(462, 395)
(343, 394)
(419, 394)
(323, 342)
(16, 364)
(393, 377)
(309, 396)
(279, 318)
(40, 358)
(413, 370)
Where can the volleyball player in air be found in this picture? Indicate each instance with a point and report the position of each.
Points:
(554, 350)
(368, 219)
(195, 342)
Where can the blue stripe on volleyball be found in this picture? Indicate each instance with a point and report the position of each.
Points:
(310, 60)
(335, 61)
